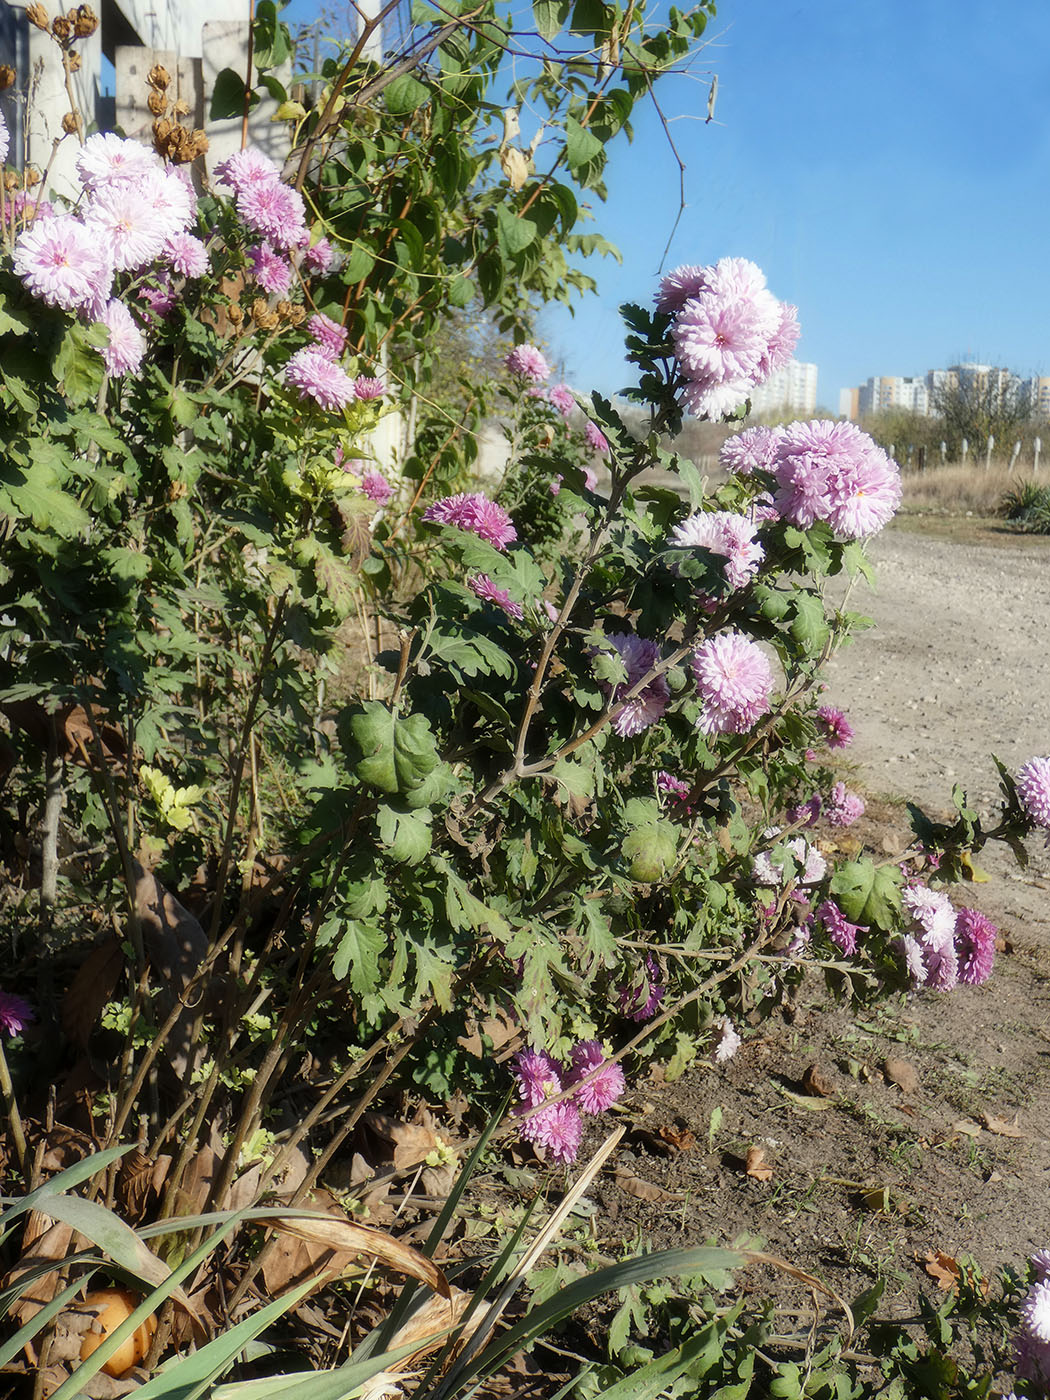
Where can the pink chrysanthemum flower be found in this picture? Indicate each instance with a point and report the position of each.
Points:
(476, 513)
(734, 678)
(641, 1003)
(781, 343)
(171, 196)
(538, 1077)
(376, 487)
(805, 813)
(722, 335)
(768, 869)
(596, 440)
(127, 345)
(329, 335)
(834, 727)
(639, 656)
(1033, 1361)
(272, 272)
(723, 532)
(65, 264)
(607, 1085)
(15, 1014)
(559, 396)
(186, 255)
(864, 496)
(367, 388)
(274, 210)
(106, 159)
(5, 139)
(832, 471)
(161, 298)
(1033, 788)
(933, 912)
(975, 945)
(839, 929)
(679, 285)
(125, 221)
(1040, 1262)
(558, 1129)
(843, 807)
(913, 959)
(729, 1042)
(246, 168)
(318, 258)
(750, 451)
(483, 587)
(670, 786)
(555, 484)
(590, 479)
(528, 363)
(942, 967)
(318, 378)
(1035, 1312)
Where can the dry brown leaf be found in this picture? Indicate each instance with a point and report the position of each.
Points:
(515, 165)
(942, 1268)
(44, 1241)
(134, 1183)
(810, 1102)
(681, 1139)
(408, 1144)
(967, 1126)
(176, 944)
(90, 989)
(1000, 1126)
(755, 1164)
(344, 1241)
(816, 1082)
(643, 1190)
(901, 1073)
(65, 1146)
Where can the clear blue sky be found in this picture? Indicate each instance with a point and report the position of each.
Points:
(887, 164)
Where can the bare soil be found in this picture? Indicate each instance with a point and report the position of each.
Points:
(870, 1179)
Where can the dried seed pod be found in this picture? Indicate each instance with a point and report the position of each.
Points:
(73, 59)
(62, 29)
(157, 102)
(69, 123)
(7, 76)
(158, 77)
(86, 21)
(11, 181)
(297, 315)
(182, 107)
(32, 176)
(235, 313)
(37, 15)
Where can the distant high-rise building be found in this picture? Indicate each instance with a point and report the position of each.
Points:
(892, 391)
(849, 404)
(793, 388)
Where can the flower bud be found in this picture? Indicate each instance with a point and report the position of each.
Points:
(37, 15)
(7, 76)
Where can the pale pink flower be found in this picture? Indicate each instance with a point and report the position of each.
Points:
(749, 451)
(734, 680)
(596, 440)
(366, 388)
(127, 345)
(274, 210)
(932, 911)
(272, 272)
(590, 478)
(555, 484)
(726, 533)
(476, 513)
(560, 397)
(330, 336)
(781, 343)
(832, 471)
(122, 217)
(171, 196)
(1033, 788)
(864, 495)
(376, 487)
(5, 139)
(106, 159)
(161, 298)
(318, 258)
(679, 285)
(65, 264)
(639, 656)
(246, 168)
(768, 867)
(843, 807)
(528, 363)
(318, 378)
(605, 1088)
(729, 1042)
(723, 332)
(1035, 1312)
(186, 255)
(558, 1129)
(483, 587)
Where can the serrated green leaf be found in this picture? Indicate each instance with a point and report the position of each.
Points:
(868, 894)
(406, 835)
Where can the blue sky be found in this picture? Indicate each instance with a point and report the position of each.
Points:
(886, 165)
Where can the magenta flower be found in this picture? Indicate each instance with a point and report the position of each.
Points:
(538, 1077)
(366, 388)
(275, 211)
(596, 439)
(126, 347)
(64, 263)
(272, 272)
(318, 258)
(839, 929)
(558, 1129)
(641, 1003)
(15, 1014)
(734, 679)
(376, 487)
(834, 726)
(975, 945)
(316, 377)
(670, 786)
(161, 298)
(639, 656)
(750, 451)
(528, 363)
(329, 335)
(805, 813)
(607, 1085)
(1033, 788)
(105, 159)
(483, 587)
(723, 532)
(843, 807)
(476, 513)
(186, 255)
(559, 396)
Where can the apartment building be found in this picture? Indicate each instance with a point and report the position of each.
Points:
(793, 388)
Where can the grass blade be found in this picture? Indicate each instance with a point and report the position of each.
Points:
(56, 1185)
(10, 1349)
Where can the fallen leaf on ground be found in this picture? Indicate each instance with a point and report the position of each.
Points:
(1000, 1126)
(815, 1081)
(807, 1101)
(942, 1268)
(643, 1190)
(681, 1139)
(901, 1073)
(967, 1126)
(755, 1164)
(884, 1200)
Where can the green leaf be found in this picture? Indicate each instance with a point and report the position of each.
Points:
(651, 851)
(404, 95)
(550, 16)
(77, 364)
(357, 955)
(399, 753)
(809, 627)
(359, 263)
(406, 835)
(272, 45)
(581, 145)
(868, 894)
(228, 94)
(12, 322)
(513, 233)
(574, 779)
